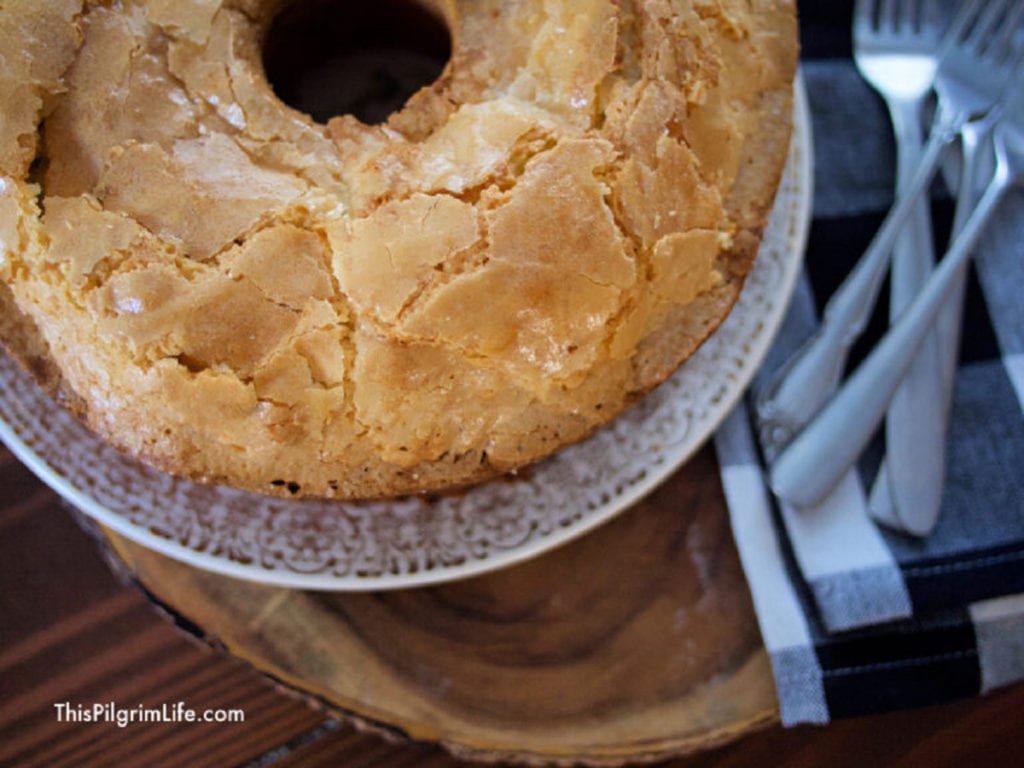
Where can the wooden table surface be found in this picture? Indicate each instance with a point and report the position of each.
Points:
(70, 631)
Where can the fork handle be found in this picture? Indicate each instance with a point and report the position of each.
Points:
(814, 462)
(914, 252)
(798, 390)
(919, 516)
(911, 476)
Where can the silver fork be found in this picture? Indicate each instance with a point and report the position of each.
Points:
(843, 427)
(927, 484)
(895, 49)
(968, 82)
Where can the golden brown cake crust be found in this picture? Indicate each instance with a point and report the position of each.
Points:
(240, 295)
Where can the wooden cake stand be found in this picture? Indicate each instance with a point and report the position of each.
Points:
(633, 643)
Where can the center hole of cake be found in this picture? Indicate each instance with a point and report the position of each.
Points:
(328, 58)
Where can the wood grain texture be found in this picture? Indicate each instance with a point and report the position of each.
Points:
(635, 642)
(70, 631)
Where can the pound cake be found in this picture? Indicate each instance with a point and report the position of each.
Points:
(233, 292)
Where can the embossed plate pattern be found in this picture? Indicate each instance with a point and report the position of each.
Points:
(413, 542)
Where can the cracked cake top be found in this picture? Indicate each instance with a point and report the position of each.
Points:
(239, 294)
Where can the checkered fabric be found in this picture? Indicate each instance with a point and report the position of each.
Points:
(858, 618)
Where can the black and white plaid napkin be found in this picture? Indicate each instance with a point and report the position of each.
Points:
(857, 618)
